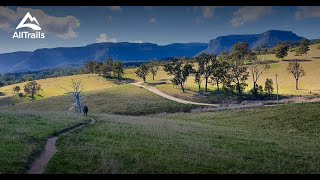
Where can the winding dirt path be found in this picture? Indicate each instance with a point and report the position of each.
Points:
(160, 93)
(39, 164)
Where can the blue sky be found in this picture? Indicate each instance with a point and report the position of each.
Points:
(79, 26)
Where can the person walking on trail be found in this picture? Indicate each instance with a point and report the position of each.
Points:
(85, 110)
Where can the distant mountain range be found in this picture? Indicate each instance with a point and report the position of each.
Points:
(132, 52)
(74, 56)
(267, 39)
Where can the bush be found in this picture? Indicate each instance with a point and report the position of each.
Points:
(2, 93)
(319, 47)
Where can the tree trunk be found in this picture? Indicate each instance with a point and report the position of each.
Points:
(144, 79)
(255, 87)
(297, 84)
(206, 88)
(238, 86)
(181, 84)
(199, 87)
(218, 85)
(152, 76)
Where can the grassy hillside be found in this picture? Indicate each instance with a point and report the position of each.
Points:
(119, 99)
(270, 140)
(24, 134)
(286, 81)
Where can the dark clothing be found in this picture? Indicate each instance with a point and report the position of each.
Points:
(85, 110)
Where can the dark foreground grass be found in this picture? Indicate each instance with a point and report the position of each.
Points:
(120, 99)
(23, 135)
(281, 139)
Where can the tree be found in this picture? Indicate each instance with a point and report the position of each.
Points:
(268, 86)
(153, 69)
(179, 71)
(239, 72)
(90, 67)
(281, 50)
(303, 47)
(197, 79)
(142, 72)
(256, 68)
(97, 67)
(107, 68)
(296, 70)
(32, 88)
(16, 89)
(205, 63)
(219, 71)
(77, 92)
(118, 69)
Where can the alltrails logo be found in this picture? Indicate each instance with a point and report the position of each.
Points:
(26, 34)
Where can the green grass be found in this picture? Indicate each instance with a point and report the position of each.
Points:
(281, 139)
(23, 135)
(119, 99)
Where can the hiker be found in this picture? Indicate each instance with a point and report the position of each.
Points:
(85, 110)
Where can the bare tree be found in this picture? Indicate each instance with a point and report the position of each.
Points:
(77, 92)
(256, 67)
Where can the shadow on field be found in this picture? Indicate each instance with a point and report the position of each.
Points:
(298, 60)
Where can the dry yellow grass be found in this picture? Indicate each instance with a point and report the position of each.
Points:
(54, 86)
(285, 80)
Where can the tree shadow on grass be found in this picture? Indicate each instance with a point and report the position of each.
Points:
(297, 60)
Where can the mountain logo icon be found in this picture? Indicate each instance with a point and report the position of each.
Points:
(22, 24)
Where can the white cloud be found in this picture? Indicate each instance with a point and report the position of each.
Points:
(307, 12)
(62, 27)
(207, 12)
(249, 14)
(137, 41)
(104, 38)
(152, 20)
(114, 8)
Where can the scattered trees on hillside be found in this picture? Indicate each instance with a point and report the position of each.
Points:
(153, 70)
(268, 86)
(106, 68)
(179, 71)
(205, 66)
(142, 72)
(296, 70)
(281, 50)
(32, 88)
(118, 69)
(303, 48)
(16, 89)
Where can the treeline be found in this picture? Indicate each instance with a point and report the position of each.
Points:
(114, 69)
(13, 78)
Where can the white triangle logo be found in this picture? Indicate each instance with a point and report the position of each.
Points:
(29, 25)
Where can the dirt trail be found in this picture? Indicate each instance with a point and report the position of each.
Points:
(39, 164)
(160, 93)
(243, 105)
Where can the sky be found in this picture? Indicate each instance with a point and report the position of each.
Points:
(74, 26)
